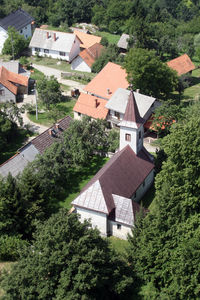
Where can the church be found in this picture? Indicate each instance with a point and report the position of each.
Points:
(110, 199)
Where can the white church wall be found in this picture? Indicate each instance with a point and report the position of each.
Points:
(144, 187)
(97, 219)
(119, 230)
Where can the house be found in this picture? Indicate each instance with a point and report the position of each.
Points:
(15, 67)
(20, 20)
(182, 64)
(110, 199)
(117, 105)
(88, 105)
(87, 40)
(107, 81)
(84, 61)
(38, 145)
(123, 42)
(12, 85)
(55, 44)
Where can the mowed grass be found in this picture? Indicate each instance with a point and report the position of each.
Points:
(193, 92)
(78, 179)
(112, 38)
(65, 108)
(118, 245)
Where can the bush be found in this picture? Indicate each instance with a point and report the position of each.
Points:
(9, 247)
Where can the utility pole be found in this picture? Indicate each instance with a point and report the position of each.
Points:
(12, 46)
(36, 107)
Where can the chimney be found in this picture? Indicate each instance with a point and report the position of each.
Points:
(108, 91)
(138, 90)
(57, 126)
(96, 102)
(47, 34)
(54, 36)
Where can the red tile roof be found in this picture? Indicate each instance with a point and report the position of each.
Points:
(87, 40)
(107, 81)
(91, 54)
(7, 78)
(91, 106)
(181, 64)
(122, 174)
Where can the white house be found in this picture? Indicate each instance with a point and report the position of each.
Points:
(20, 20)
(84, 61)
(110, 199)
(55, 44)
(116, 105)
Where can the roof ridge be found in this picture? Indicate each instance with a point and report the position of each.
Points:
(132, 113)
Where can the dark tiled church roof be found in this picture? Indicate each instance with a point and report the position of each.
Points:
(122, 174)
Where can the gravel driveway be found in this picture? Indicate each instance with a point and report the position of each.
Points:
(57, 73)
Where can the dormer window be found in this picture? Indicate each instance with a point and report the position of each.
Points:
(127, 137)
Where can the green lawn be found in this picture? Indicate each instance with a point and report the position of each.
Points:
(78, 179)
(193, 92)
(18, 141)
(65, 108)
(119, 245)
(112, 38)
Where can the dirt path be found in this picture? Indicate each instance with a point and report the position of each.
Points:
(57, 73)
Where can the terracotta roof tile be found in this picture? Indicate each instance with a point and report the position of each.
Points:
(87, 40)
(91, 106)
(7, 78)
(91, 54)
(107, 81)
(181, 64)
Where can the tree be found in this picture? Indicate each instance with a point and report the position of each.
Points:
(49, 91)
(164, 246)
(148, 74)
(68, 260)
(15, 43)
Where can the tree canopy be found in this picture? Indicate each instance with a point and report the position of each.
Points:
(15, 43)
(68, 260)
(164, 247)
(149, 74)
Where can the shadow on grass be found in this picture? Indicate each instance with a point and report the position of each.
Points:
(79, 178)
(17, 142)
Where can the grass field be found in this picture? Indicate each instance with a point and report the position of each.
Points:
(64, 108)
(80, 178)
(119, 245)
(112, 38)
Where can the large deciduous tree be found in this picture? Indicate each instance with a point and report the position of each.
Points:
(15, 43)
(164, 248)
(49, 91)
(68, 260)
(149, 74)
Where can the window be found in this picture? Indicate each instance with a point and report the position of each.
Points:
(62, 53)
(79, 114)
(21, 31)
(117, 115)
(2, 92)
(119, 226)
(135, 195)
(143, 183)
(127, 137)
(37, 49)
(139, 135)
(109, 112)
(46, 50)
